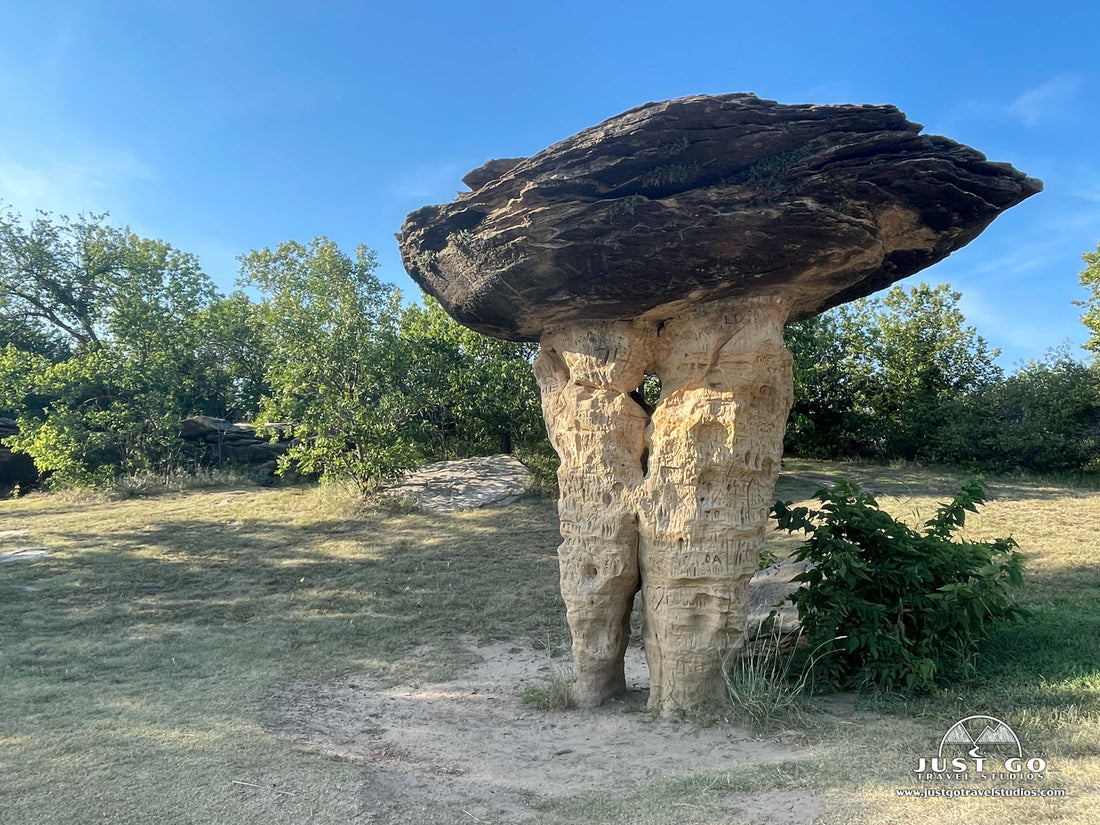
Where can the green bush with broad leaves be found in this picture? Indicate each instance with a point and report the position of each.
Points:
(892, 608)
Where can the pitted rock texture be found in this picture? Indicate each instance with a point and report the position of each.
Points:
(675, 204)
(715, 448)
(672, 501)
(586, 374)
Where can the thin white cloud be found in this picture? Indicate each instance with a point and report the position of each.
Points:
(1027, 257)
(70, 186)
(1046, 102)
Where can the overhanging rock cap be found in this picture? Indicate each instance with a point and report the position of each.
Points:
(674, 204)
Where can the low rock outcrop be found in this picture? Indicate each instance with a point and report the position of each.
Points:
(241, 444)
(465, 484)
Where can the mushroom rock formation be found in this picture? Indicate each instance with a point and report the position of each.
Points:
(677, 240)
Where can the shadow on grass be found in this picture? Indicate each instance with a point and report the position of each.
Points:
(1059, 641)
(198, 595)
(901, 480)
(66, 502)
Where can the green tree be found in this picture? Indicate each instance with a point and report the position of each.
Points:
(1090, 280)
(883, 377)
(124, 320)
(57, 275)
(23, 333)
(476, 394)
(103, 415)
(1044, 417)
(234, 353)
(925, 358)
(832, 373)
(335, 367)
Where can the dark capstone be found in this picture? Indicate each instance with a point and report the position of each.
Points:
(212, 429)
(677, 203)
(239, 443)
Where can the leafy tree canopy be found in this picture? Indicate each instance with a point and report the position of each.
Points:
(478, 394)
(1090, 280)
(333, 364)
(879, 377)
(106, 346)
(370, 387)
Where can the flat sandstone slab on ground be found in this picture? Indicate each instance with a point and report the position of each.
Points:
(466, 484)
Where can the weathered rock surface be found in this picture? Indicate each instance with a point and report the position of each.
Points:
(674, 503)
(240, 443)
(466, 484)
(678, 203)
(676, 240)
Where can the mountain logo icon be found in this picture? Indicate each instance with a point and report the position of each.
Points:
(980, 736)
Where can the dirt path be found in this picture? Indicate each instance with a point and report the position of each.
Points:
(470, 743)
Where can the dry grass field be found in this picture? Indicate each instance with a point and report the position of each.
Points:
(286, 655)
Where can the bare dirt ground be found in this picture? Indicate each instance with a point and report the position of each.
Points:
(470, 745)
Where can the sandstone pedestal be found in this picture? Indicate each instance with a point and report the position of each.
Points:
(673, 502)
(676, 240)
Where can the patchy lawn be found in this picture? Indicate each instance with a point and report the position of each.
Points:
(284, 655)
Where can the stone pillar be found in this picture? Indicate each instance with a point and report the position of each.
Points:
(675, 503)
(586, 374)
(716, 442)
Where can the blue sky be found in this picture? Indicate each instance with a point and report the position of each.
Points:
(223, 127)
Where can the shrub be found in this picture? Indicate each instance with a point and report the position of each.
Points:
(892, 608)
